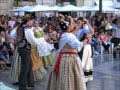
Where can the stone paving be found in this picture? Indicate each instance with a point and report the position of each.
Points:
(106, 75)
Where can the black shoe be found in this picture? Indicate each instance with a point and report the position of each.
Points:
(86, 83)
(16, 84)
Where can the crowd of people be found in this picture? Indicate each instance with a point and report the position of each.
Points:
(27, 45)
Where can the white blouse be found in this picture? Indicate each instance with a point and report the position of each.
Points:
(44, 47)
(71, 40)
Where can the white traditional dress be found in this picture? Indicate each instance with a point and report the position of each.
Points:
(67, 73)
(87, 62)
(44, 50)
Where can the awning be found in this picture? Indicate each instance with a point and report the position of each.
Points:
(22, 9)
(69, 8)
(116, 5)
(39, 8)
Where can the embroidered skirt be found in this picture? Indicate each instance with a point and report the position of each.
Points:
(70, 77)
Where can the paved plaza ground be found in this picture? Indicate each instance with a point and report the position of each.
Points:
(106, 75)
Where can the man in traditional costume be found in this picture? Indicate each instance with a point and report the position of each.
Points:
(38, 70)
(24, 49)
(25, 40)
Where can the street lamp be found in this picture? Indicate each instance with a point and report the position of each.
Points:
(100, 7)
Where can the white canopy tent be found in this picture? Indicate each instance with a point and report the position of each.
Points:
(16, 9)
(105, 8)
(104, 2)
(39, 8)
(55, 8)
(85, 8)
(22, 9)
(116, 5)
(69, 8)
(43, 8)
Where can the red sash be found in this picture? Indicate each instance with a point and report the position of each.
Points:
(56, 68)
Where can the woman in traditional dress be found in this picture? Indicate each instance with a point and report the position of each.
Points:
(15, 63)
(67, 73)
(38, 70)
(45, 51)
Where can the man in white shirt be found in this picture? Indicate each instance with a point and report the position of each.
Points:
(26, 80)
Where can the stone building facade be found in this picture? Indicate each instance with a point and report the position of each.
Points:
(85, 2)
(46, 2)
(5, 6)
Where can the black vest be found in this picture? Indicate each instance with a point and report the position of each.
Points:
(22, 41)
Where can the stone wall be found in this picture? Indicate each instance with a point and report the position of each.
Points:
(79, 2)
(89, 2)
(5, 6)
(85, 2)
(46, 2)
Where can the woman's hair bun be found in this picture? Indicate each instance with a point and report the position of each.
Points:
(63, 25)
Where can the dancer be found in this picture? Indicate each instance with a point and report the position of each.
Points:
(38, 70)
(24, 41)
(86, 57)
(67, 73)
(45, 50)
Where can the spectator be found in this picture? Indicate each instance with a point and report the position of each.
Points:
(103, 39)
